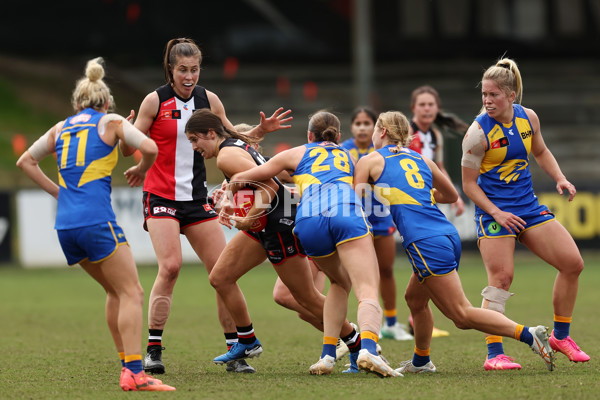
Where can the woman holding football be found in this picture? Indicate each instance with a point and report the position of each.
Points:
(274, 239)
(334, 230)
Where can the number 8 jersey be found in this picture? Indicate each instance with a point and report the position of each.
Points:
(406, 184)
(85, 164)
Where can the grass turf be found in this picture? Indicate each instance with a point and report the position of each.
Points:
(56, 343)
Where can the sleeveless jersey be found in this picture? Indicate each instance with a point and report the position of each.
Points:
(406, 182)
(378, 214)
(354, 150)
(424, 143)
(178, 172)
(85, 164)
(324, 179)
(504, 173)
(282, 211)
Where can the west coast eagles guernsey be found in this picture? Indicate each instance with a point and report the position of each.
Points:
(378, 214)
(324, 179)
(85, 164)
(406, 184)
(178, 173)
(504, 174)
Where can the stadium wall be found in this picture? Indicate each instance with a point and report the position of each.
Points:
(38, 244)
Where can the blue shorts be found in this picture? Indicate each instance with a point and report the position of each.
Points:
(487, 227)
(382, 226)
(320, 235)
(434, 256)
(95, 243)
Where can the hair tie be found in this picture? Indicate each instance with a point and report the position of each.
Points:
(507, 66)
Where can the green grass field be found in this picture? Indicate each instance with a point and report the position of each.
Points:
(56, 343)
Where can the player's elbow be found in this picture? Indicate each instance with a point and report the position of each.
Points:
(149, 147)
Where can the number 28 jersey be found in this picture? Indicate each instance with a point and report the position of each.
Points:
(85, 165)
(324, 179)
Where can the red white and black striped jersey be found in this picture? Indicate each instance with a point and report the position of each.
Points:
(178, 172)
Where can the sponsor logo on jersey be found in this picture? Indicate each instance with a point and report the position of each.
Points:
(171, 114)
(526, 134)
(502, 142)
(207, 207)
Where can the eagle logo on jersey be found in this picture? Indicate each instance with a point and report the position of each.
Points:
(509, 171)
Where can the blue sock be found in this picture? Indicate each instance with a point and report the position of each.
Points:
(561, 329)
(328, 350)
(495, 349)
(369, 344)
(134, 366)
(390, 321)
(419, 361)
(526, 336)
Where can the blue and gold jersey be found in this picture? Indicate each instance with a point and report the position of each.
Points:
(406, 184)
(378, 214)
(324, 179)
(354, 150)
(504, 174)
(85, 164)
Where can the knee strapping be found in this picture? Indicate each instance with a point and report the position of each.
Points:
(496, 298)
(158, 311)
(369, 315)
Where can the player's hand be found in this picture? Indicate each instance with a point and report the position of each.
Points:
(459, 206)
(135, 176)
(279, 120)
(242, 223)
(563, 185)
(511, 222)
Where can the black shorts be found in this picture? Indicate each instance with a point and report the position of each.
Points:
(279, 246)
(187, 213)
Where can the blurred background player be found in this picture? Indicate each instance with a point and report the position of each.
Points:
(175, 195)
(428, 118)
(85, 145)
(413, 184)
(335, 233)
(362, 123)
(496, 177)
